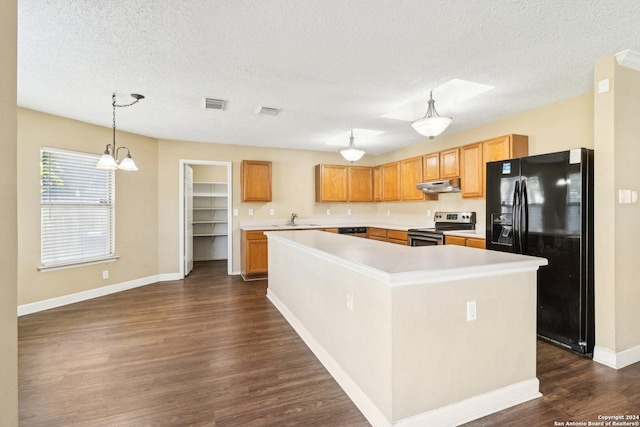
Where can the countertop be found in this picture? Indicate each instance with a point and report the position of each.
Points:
(405, 265)
(317, 224)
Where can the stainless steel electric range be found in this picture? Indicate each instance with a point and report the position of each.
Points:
(444, 221)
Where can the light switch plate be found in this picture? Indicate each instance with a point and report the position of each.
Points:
(471, 311)
(235, 212)
(250, 212)
(603, 86)
(272, 212)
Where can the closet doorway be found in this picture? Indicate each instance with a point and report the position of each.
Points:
(205, 213)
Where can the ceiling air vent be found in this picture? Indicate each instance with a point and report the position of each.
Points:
(215, 104)
(267, 111)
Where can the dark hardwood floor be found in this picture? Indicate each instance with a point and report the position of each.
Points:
(212, 351)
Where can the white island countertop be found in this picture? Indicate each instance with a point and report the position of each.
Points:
(404, 265)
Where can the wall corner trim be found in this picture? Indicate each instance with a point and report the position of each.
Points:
(629, 58)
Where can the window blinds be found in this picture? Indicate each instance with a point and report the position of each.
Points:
(77, 208)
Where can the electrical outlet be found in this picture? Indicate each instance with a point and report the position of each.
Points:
(388, 212)
(471, 311)
(235, 212)
(350, 300)
(348, 211)
(250, 212)
(328, 211)
(272, 212)
(428, 212)
(105, 274)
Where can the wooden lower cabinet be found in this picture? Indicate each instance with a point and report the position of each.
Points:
(472, 242)
(254, 256)
(377, 234)
(397, 236)
(385, 235)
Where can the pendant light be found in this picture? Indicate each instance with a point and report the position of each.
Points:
(351, 153)
(431, 124)
(109, 159)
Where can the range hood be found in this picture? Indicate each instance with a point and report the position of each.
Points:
(442, 186)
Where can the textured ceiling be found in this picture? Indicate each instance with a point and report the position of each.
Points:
(329, 65)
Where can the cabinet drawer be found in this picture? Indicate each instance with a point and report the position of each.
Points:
(377, 232)
(255, 235)
(397, 235)
(476, 243)
(397, 241)
(455, 240)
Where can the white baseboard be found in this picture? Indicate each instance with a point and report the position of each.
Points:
(450, 415)
(476, 407)
(617, 360)
(47, 304)
(168, 277)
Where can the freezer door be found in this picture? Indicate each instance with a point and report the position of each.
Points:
(502, 180)
(557, 204)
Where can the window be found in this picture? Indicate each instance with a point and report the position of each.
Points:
(77, 209)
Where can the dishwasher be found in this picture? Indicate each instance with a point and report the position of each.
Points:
(353, 231)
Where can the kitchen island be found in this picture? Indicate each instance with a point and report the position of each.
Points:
(415, 336)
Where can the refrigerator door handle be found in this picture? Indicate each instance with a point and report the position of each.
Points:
(515, 216)
(524, 206)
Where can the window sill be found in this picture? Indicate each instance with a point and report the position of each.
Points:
(78, 264)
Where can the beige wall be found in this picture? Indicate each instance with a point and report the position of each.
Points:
(293, 190)
(209, 173)
(556, 127)
(8, 217)
(136, 207)
(617, 230)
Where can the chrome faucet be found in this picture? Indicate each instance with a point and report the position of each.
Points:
(293, 218)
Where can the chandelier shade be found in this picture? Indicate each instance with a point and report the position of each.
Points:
(351, 153)
(431, 125)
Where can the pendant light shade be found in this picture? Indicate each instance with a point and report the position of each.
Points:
(431, 125)
(351, 153)
(109, 160)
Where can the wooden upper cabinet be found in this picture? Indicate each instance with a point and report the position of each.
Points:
(390, 179)
(474, 158)
(450, 163)
(410, 175)
(360, 184)
(472, 166)
(431, 167)
(441, 165)
(255, 177)
(505, 147)
(377, 184)
(331, 183)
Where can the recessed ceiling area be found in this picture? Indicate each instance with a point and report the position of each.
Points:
(328, 67)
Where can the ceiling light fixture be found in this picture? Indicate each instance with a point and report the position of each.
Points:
(351, 153)
(431, 124)
(109, 159)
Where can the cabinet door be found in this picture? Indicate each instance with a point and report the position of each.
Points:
(255, 179)
(254, 256)
(257, 259)
(454, 240)
(390, 178)
(360, 184)
(377, 184)
(410, 175)
(450, 163)
(331, 183)
(431, 167)
(472, 167)
(505, 147)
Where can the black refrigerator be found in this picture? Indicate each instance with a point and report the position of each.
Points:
(543, 206)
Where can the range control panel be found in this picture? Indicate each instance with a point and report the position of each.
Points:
(464, 217)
